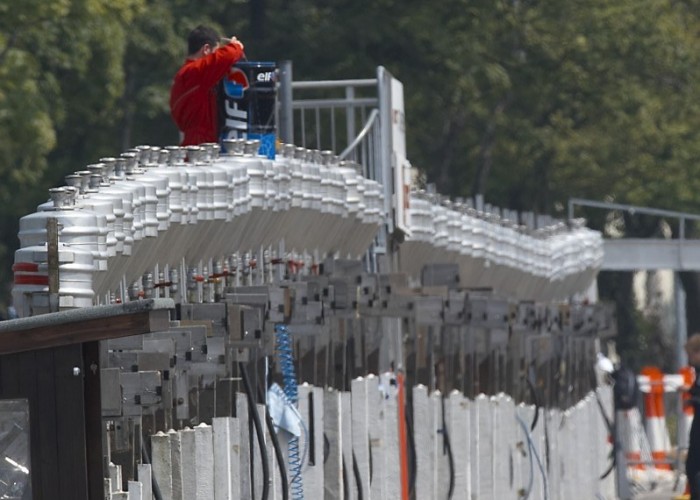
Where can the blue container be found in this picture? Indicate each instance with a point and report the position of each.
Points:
(249, 103)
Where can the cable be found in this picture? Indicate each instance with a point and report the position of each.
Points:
(276, 446)
(286, 358)
(447, 446)
(536, 401)
(611, 430)
(412, 450)
(258, 430)
(531, 478)
(533, 451)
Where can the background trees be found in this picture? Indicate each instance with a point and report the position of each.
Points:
(526, 102)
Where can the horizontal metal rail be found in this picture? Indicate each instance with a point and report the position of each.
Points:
(334, 103)
(330, 84)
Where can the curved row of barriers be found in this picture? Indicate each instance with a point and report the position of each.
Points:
(172, 212)
(548, 263)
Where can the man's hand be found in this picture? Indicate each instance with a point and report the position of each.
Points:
(232, 40)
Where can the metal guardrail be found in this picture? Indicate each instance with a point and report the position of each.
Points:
(327, 115)
(327, 118)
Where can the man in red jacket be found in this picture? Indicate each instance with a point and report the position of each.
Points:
(193, 102)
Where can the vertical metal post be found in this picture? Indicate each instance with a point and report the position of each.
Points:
(52, 261)
(681, 324)
(286, 114)
(350, 116)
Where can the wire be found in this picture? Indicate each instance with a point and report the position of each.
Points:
(412, 450)
(613, 434)
(531, 478)
(533, 451)
(447, 446)
(276, 446)
(258, 430)
(535, 400)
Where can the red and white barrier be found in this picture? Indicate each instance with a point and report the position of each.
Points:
(655, 416)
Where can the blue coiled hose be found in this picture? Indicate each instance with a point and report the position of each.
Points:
(286, 358)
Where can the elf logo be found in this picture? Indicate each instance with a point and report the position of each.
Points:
(236, 83)
(266, 76)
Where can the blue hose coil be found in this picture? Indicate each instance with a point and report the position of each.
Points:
(286, 359)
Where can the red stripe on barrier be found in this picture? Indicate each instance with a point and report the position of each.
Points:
(688, 374)
(659, 457)
(654, 399)
(31, 279)
(30, 267)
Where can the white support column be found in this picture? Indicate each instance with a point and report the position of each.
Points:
(332, 426)
(162, 464)
(223, 489)
(376, 405)
(360, 433)
(145, 478)
(347, 442)
(204, 461)
(555, 480)
(482, 472)
(504, 442)
(115, 475)
(189, 475)
(459, 427)
(176, 461)
(425, 441)
(136, 491)
(245, 450)
(392, 456)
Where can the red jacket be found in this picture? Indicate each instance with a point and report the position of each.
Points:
(193, 94)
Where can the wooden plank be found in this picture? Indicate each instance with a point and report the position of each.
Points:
(102, 328)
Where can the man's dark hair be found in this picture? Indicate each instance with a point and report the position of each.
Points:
(199, 37)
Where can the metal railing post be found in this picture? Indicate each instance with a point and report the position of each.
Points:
(286, 116)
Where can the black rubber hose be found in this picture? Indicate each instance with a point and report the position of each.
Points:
(147, 460)
(536, 401)
(258, 430)
(276, 446)
(447, 446)
(611, 429)
(412, 451)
